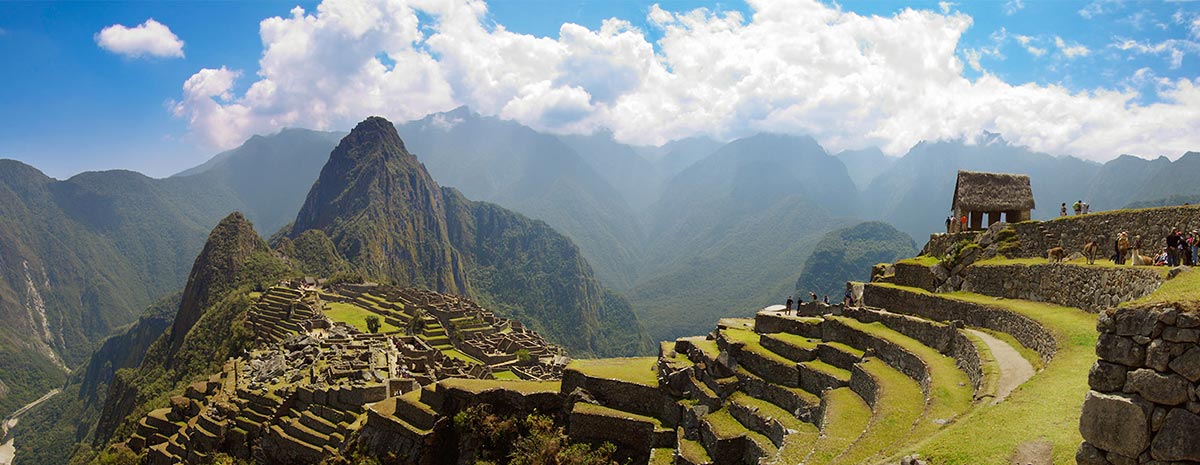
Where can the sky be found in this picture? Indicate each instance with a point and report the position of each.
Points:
(158, 87)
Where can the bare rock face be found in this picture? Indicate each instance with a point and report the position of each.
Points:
(1114, 423)
(1176, 441)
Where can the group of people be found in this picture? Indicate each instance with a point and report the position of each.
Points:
(847, 300)
(1080, 207)
(1180, 249)
(956, 225)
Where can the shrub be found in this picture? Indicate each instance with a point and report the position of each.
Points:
(372, 323)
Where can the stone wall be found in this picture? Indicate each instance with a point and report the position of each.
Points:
(1092, 289)
(916, 275)
(940, 243)
(1144, 403)
(887, 351)
(1026, 331)
(1152, 224)
(943, 338)
(621, 395)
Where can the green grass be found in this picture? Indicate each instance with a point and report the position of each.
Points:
(477, 386)
(455, 354)
(505, 375)
(750, 343)
(1045, 407)
(725, 426)
(950, 390)
(636, 370)
(693, 451)
(796, 340)
(898, 406)
(924, 260)
(662, 456)
(1101, 262)
(1183, 292)
(828, 369)
(355, 316)
(796, 445)
(599, 410)
(846, 417)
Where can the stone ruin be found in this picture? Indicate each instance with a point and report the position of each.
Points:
(303, 390)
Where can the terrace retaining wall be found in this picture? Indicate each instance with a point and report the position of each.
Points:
(1091, 288)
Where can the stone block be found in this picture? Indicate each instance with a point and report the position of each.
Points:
(1158, 388)
(1134, 322)
(1188, 364)
(1176, 334)
(1088, 454)
(1107, 377)
(1176, 441)
(1118, 349)
(1158, 354)
(1114, 423)
(1188, 320)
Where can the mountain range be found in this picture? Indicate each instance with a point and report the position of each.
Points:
(688, 232)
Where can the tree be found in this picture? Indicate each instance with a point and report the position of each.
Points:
(523, 356)
(373, 323)
(416, 324)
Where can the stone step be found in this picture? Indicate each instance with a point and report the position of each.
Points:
(750, 354)
(846, 418)
(818, 376)
(897, 402)
(838, 354)
(294, 428)
(764, 417)
(802, 404)
(691, 452)
(729, 441)
(793, 347)
(410, 409)
(316, 423)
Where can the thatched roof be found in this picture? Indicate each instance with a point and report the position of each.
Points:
(992, 192)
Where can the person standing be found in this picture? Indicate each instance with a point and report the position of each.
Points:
(788, 308)
(1063, 211)
(964, 224)
(1078, 207)
(949, 221)
(1173, 248)
(1086, 208)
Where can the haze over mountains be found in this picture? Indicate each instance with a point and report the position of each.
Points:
(688, 232)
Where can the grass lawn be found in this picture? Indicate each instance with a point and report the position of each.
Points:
(1183, 293)
(505, 375)
(476, 386)
(355, 316)
(899, 405)
(846, 417)
(455, 354)
(1045, 407)
(636, 370)
(923, 260)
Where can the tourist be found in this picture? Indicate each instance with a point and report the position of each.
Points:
(789, 305)
(1086, 207)
(848, 299)
(1063, 211)
(949, 221)
(826, 299)
(1173, 248)
(1078, 207)
(812, 295)
(1194, 243)
(964, 224)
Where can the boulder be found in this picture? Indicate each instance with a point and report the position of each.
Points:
(1176, 441)
(1177, 270)
(1114, 423)
(1134, 322)
(1188, 364)
(1158, 388)
(1090, 455)
(1175, 334)
(1188, 320)
(1158, 354)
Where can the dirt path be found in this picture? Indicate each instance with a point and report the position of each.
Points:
(1014, 369)
(8, 450)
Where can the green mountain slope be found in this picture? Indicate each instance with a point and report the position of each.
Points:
(80, 258)
(388, 218)
(203, 333)
(535, 174)
(848, 255)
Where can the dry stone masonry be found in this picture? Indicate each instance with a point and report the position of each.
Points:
(1143, 406)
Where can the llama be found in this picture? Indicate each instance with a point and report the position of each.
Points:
(1056, 254)
(1090, 250)
(1137, 259)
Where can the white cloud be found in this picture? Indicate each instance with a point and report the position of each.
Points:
(796, 66)
(149, 38)
(1173, 49)
(1070, 50)
(945, 7)
(1011, 7)
(1027, 43)
(1100, 7)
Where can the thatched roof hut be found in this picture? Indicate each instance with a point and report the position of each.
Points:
(994, 194)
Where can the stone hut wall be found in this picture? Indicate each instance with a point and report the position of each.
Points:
(940, 243)
(1144, 402)
(1152, 224)
(1026, 331)
(1092, 289)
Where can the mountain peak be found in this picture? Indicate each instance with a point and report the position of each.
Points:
(375, 130)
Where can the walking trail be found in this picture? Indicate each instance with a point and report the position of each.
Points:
(1014, 369)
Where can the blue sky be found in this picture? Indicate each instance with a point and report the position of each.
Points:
(71, 105)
